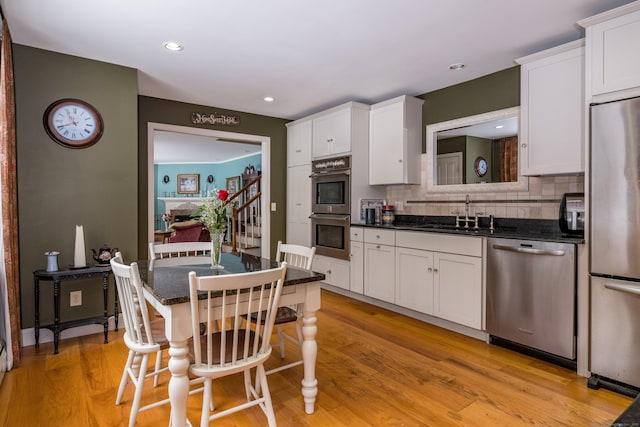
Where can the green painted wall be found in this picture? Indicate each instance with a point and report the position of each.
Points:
(60, 187)
(482, 95)
(179, 113)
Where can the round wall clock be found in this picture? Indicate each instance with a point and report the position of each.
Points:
(73, 123)
(480, 166)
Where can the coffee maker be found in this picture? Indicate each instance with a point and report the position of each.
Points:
(572, 214)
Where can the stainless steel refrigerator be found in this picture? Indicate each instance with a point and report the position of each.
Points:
(615, 244)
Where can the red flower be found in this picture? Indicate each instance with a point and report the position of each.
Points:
(223, 195)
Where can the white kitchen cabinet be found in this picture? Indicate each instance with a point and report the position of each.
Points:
(335, 130)
(440, 275)
(612, 40)
(552, 111)
(395, 141)
(356, 256)
(299, 136)
(336, 270)
(379, 264)
(414, 279)
(457, 281)
(299, 205)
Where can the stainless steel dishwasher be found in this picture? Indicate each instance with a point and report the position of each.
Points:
(531, 294)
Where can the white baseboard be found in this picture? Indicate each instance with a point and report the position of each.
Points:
(29, 335)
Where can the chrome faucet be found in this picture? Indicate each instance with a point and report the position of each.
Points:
(466, 207)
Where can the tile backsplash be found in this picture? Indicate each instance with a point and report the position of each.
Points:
(541, 201)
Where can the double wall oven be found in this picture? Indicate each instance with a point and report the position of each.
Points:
(331, 206)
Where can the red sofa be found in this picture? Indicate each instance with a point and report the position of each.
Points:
(189, 231)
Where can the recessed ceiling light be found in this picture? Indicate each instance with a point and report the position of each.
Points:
(269, 99)
(457, 66)
(499, 127)
(173, 46)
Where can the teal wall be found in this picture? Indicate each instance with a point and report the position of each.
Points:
(220, 172)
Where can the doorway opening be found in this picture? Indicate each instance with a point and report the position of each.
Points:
(154, 129)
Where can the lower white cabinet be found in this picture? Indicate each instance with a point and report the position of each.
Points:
(357, 260)
(379, 264)
(336, 270)
(457, 289)
(440, 275)
(414, 279)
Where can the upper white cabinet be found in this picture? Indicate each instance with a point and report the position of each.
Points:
(335, 130)
(552, 102)
(612, 41)
(395, 141)
(299, 136)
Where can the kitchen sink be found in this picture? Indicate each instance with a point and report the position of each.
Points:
(440, 226)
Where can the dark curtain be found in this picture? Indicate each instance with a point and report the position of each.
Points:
(9, 190)
(509, 159)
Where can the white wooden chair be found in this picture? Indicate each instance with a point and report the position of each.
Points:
(297, 256)
(232, 349)
(178, 253)
(142, 336)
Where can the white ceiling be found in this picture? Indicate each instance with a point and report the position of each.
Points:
(172, 147)
(309, 55)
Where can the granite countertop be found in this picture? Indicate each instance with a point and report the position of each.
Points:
(509, 228)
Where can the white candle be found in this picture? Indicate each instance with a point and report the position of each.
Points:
(79, 257)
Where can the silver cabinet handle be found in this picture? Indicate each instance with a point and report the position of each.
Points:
(377, 246)
(429, 269)
(629, 289)
(328, 271)
(435, 270)
(531, 251)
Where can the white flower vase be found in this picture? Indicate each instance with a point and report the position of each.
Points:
(216, 250)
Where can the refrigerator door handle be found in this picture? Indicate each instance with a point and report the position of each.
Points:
(531, 251)
(629, 289)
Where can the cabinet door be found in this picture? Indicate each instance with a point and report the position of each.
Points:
(336, 271)
(387, 141)
(458, 289)
(395, 141)
(299, 205)
(332, 134)
(357, 267)
(552, 114)
(615, 61)
(414, 279)
(299, 144)
(379, 271)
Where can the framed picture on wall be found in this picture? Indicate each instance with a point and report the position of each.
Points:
(233, 184)
(189, 183)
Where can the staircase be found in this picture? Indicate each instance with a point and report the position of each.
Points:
(245, 227)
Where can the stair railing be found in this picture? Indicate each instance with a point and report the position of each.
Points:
(247, 216)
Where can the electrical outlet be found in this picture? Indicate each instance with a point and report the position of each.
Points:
(273, 206)
(75, 298)
(399, 205)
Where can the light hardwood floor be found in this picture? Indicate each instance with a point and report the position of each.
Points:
(375, 368)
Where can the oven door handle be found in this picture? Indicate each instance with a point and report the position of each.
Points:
(330, 173)
(329, 216)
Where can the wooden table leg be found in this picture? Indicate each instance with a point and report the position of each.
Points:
(36, 303)
(309, 355)
(56, 314)
(179, 382)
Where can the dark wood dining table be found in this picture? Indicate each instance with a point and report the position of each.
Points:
(166, 288)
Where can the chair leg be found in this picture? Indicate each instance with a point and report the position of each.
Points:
(139, 382)
(280, 341)
(268, 405)
(125, 377)
(207, 402)
(156, 377)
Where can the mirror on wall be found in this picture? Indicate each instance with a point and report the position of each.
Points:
(475, 153)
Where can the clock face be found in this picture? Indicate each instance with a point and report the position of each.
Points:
(480, 166)
(73, 123)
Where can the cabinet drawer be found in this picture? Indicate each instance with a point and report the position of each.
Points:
(380, 236)
(357, 234)
(439, 242)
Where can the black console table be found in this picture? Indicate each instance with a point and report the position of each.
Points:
(58, 277)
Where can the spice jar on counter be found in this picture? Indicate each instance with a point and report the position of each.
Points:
(388, 215)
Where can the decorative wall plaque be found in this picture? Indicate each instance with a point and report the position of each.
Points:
(215, 119)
